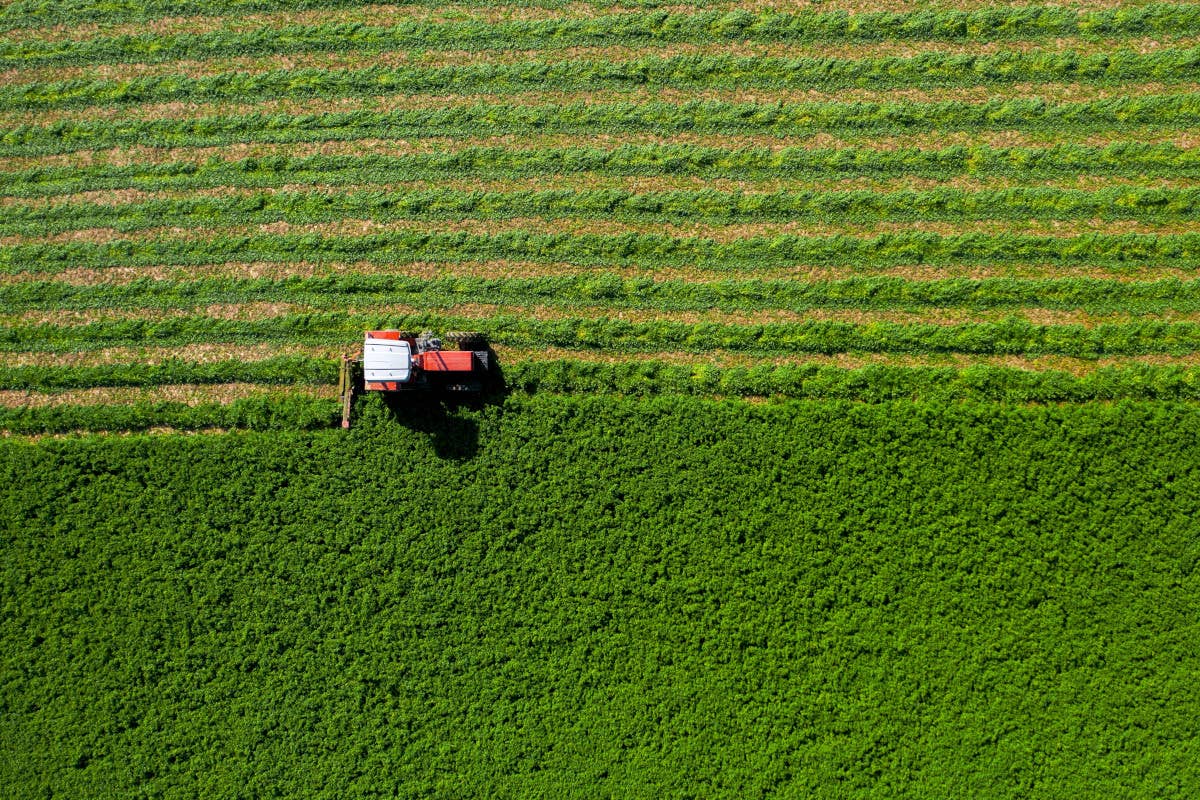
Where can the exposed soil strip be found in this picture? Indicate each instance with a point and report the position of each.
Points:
(86, 276)
(716, 232)
(190, 394)
(201, 353)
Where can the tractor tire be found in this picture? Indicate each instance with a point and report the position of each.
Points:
(466, 340)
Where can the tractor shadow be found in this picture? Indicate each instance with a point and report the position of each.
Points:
(447, 418)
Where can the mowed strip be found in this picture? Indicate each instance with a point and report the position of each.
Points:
(678, 166)
(262, 62)
(506, 355)
(151, 157)
(481, 110)
(640, 185)
(836, 211)
(1089, 14)
(718, 233)
(229, 299)
(737, 256)
(500, 269)
(187, 394)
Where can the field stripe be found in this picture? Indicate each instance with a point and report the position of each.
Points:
(864, 119)
(186, 394)
(256, 62)
(605, 291)
(547, 99)
(830, 209)
(927, 71)
(1175, 250)
(1132, 160)
(500, 269)
(344, 33)
(521, 232)
(40, 14)
(1008, 336)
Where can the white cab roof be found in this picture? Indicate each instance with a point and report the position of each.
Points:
(386, 360)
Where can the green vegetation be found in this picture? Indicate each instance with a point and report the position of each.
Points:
(1010, 336)
(1168, 112)
(678, 72)
(608, 291)
(793, 600)
(639, 28)
(856, 207)
(1125, 159)
(833, 448)
(1116, 250)
(276, 412)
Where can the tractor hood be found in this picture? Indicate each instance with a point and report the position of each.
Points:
(386, 360)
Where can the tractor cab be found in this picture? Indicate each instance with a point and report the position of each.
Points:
(393, 361)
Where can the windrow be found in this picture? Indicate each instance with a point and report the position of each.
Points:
(681, 72)
(1174, 250)
(1166, 111)
(609, 291)
(1125, 159)
(1010, 336)
(303, 208)
(640, 28)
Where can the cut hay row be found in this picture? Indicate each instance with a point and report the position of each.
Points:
(204, 356)
(1008, 335)
(525, 229)
(1177, 251)
(478, 313)
(654, 166)
(59, 21)
(389, 32)
(602, 293)
(855, 212)
(520, 148)
(502, 269)
(30, 208)
(261, 62)
(205, 112)
(690, 73)
(865, 120)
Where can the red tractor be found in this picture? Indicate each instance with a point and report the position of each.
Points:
(393, 361)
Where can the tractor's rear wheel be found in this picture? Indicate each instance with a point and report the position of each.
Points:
(466, 340)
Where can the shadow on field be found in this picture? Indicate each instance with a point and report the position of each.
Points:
(436, 413)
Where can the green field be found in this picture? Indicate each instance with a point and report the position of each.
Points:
(845, 437)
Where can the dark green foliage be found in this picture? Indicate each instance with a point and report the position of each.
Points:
(878, 383)
(641, 28)
(582, 597)
(1166, 112)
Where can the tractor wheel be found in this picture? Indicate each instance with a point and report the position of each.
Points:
(466, 340)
